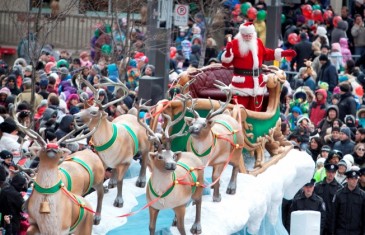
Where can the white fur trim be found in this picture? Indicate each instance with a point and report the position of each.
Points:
(277, 54)
(247, 29)
(226, 59)
(245, 47)
(238, 79)
(248, 91)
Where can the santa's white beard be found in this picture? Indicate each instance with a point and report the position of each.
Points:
(246, 46)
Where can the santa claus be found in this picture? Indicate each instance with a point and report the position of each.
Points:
(246, 53)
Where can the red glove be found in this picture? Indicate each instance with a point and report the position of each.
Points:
(288, 53)
(228, 49)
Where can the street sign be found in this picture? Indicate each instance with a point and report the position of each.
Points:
(181, 15)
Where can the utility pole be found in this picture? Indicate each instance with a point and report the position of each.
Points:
(273, 24)
(159, 37)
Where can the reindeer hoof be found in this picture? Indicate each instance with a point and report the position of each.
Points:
(106, 189)
(174, 222)
(97, 219)
(118, 203)
(141, 183)
(196, 228)
(217, 199)
(231, 190)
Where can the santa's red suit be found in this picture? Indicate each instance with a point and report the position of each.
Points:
(247, 56)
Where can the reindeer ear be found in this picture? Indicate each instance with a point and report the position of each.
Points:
(188, 120)
(178, 155)
(153, 155)
(65, 151)
(210, 122)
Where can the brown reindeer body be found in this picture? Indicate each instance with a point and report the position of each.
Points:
(80, 176)
(63, 214)
(120, 153)
(180, 194)
(220, 149)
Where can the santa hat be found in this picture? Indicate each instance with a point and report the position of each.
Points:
(247, 28)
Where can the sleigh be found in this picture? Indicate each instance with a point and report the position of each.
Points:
(262, 130)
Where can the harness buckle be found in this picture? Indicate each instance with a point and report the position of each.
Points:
(255, 72)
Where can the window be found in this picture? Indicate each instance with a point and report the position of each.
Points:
(37, 3)
(94, 5)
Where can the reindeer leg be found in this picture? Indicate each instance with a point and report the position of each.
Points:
(33, 230)
(231, 189)
(86, 225)
(197, 228)
(180, 215)
(217, 171)
(174, 222)
(120, 171)
(113, 180)
(153, 218)
(141, 181)
(100, 191)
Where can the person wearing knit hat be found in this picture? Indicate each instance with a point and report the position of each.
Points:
(4, 94)
(345, 145)
(347, 104)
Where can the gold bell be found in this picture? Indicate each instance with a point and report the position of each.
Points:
(44, 208)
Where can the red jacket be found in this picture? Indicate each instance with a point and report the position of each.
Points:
(318, 108)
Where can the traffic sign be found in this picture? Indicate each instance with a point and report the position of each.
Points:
(181, 15)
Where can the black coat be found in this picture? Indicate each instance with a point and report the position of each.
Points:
(328, 74)
(11, 203)
(349, 212)
(304, 51)
(327, 191)
(346, 146)
(313, 203)
(346, 106)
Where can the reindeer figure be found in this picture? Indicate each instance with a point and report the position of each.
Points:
(175, 179)
(52, 209)
(205, 143)
(118, 141)
(82, 171)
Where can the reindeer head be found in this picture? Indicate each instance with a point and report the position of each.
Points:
(199, 126)
(97, 110)
(165, 159)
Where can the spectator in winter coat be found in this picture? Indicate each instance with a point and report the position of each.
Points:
(345, 51)
(327, 73)
(351, 123)
(359, 155)
(11, 201)
(293, 117)
(347, 103)
(303, 50)
(66, 125)
(331, 115)
(12, 85)
(339, 31)
(317, 111)
(315, 64)
(345, 145)
(358, 32)
(322, 32)
(26, 95)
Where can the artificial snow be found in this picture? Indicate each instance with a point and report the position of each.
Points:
(256, 198)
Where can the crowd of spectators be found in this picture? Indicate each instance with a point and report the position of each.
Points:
(322, 108)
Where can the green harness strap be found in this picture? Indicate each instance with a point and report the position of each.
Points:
(68, 178)
(108, 144)
(187, 168)
(51, 190)
(226, 125)
(134, 137)
(167, 192)
(86, 166)
(81, 214)
(206, 152)
(193, 176)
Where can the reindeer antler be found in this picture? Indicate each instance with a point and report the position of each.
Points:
(151, 134)
(116, 84)
(226, 89)
(192, 108)
(27, 130)
(79, 128)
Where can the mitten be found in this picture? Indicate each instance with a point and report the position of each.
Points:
(288, 53)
